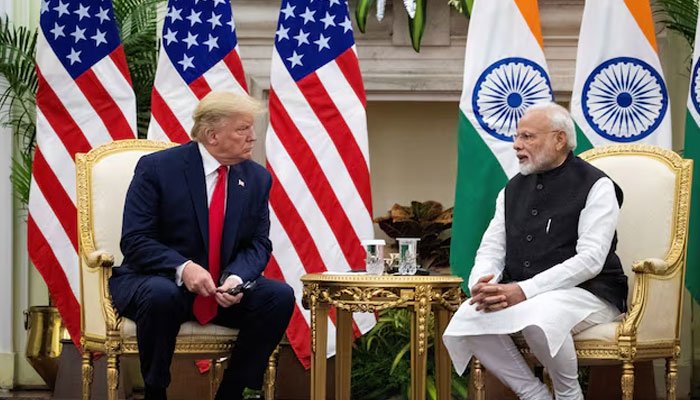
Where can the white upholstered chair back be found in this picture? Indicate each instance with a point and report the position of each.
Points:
(103, 177)
(645, 225)
(652, 226)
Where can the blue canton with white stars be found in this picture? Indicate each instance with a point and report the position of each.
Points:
(80, 32)
(197, 34)
(311, 33)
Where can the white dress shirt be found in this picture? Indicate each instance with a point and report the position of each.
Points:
(210, 166)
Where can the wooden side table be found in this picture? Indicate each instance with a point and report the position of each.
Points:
(366, 293)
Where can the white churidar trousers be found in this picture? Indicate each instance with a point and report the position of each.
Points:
(547, 322)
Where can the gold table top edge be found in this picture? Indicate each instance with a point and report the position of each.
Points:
(380, 279)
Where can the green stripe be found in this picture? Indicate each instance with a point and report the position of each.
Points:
(479, 179)
(692, 151)
(582, 142)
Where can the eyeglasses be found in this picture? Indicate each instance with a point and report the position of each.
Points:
(528, 137)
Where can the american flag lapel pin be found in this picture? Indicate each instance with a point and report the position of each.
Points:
(241, 183)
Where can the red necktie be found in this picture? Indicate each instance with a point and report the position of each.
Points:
(205, 307)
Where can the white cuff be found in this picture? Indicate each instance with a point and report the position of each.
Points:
(178, 272)
(529, 288)
(236, 277)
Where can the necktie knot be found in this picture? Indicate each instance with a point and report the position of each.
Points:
(221, 171)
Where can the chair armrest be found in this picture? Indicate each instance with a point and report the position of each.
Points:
(100, 259)
(656, 301)
(654, 266)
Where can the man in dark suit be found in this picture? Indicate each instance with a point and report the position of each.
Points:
(196, 224)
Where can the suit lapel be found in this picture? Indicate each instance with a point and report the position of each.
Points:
(236, 200)
(194, 174)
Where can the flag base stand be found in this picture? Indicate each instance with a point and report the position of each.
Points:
(44, 333)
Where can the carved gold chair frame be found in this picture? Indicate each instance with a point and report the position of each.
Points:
(648, 277)
(101, 325)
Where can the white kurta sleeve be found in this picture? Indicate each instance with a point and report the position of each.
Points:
(491, 256)
(596, 228)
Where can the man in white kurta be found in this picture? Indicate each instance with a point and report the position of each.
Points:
(557, 258)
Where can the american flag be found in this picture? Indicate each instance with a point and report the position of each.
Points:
(317, 152)
(199, 52)
(84, 99)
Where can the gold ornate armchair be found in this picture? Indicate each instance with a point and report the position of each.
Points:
(103, 177)
(653, 236)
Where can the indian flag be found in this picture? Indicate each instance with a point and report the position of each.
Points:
(504, 73)
(619, 92)
(692, 150)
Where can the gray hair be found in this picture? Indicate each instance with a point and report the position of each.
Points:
(559, 120)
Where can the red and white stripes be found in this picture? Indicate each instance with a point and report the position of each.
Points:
(173, 101)
(320, 201)
(73, 115)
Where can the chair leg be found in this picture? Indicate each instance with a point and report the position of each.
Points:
(477, 378)
(627, 380)
(671, 378)
(271, 375)
(112, 376)
(87, 372)
(216, 374)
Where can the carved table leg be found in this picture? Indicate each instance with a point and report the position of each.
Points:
(319, 332)
(343, 354)
(443, 366)
(419, 342)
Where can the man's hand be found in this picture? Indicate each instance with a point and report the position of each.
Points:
(198, 280)
(224, 299)
(476, 290)
(495, 296)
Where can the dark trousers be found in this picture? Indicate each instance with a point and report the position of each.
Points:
(159, 307)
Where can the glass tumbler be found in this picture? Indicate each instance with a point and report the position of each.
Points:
(374, 261)
(408, 251)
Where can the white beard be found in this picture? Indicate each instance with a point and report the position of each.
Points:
(527, 168)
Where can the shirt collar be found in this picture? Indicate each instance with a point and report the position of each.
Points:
(208, 161)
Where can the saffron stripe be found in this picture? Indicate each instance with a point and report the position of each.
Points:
(531, 15)
(59, 118)
(59, 201)
(641, 11)
(105, 106)
(166, 119)
(339, 132)
(317, 183)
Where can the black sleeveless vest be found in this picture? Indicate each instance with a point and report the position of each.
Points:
(541, 218)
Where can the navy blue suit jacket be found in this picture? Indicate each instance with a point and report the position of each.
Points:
(166, 220)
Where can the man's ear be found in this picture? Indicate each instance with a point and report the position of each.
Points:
(561, 140)
(209, 136)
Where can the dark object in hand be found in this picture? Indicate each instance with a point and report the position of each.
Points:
(242, 288)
